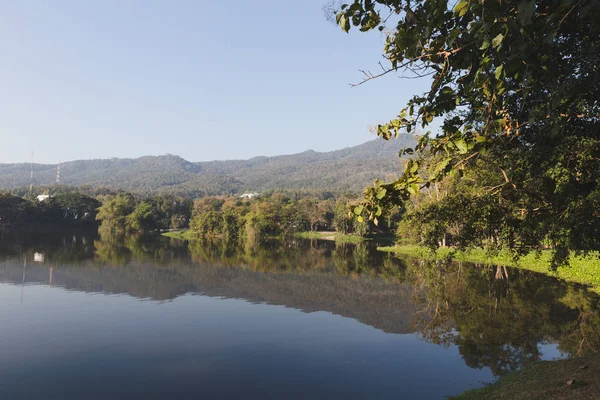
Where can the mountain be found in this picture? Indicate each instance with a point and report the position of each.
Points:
(349, 169)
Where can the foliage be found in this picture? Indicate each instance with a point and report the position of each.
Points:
(14, 208)
(143, 217)
(581, 269)
(336, 236)
(64, 207)
(276, 214)
(342, 220)
(515, 84)
(114, 211)
(125, 212)
(74, 206)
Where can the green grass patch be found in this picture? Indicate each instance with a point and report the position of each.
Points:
(338, 237)
(584, 270)
(182, 235)
(547, 380)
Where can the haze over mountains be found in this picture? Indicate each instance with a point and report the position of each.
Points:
(349, 169)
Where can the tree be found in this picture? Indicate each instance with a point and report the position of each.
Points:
(342, 222)
(173, 212)
(74, 206)
(313, 211)
(15, 209)
(516, 86)
(143, 217)
(114, 211)
(209, 223)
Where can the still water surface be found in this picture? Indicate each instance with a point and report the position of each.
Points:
(158, 318)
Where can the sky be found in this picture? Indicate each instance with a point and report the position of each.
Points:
(205, 80)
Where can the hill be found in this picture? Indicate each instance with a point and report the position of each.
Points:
(349, 169)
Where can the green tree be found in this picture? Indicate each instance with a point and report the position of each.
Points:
(74, 206)
(113, 212)
(15, 209)
(515, 85)
(342, 221)
(173, 212)
(143, 217)
(209, 223)
(262, 221)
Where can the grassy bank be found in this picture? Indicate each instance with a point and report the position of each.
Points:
(182, 235)
(584, 270)
(547, 380)
(338, 237)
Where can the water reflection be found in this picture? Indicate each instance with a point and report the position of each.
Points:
(497, 318)
(500, 322)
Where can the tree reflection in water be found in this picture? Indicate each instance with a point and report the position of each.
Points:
(497, 317)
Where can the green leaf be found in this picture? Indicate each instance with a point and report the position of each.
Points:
(447, 90)
(461, 145)
(498, 72)
(497, 41)
(344, 23)
(359, 218)
(485, 44)
(358, 210)
(461, 8)
(414, 167)
(381, 194)
(441, 166)
(413, 189)
(376, 221)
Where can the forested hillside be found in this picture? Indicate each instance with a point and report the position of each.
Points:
(349, 169)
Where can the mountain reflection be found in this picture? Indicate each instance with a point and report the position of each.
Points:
(496, 318)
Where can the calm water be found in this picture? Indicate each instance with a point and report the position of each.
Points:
(90, 317)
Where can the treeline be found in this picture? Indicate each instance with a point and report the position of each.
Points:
(280, 214)
(120, 212)
(125, 212)
(62, 207)
(271, 214)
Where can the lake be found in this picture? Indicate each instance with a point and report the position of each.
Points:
(150, 317)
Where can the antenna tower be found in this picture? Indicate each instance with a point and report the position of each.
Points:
(58, 174)
(31, 175)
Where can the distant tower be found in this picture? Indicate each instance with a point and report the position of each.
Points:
(31, 175)
(58, 174)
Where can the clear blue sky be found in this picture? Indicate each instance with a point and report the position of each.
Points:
(202, 79)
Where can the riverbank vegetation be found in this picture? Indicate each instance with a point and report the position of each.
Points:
(281, 214)
(579, 268)
(328, 235)
(514, 91)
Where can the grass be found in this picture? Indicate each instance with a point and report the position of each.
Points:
(584, 270)
(338, 237)
(547, 380)
(189, 235)
(182, 235)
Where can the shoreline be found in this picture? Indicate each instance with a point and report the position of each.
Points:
(584, 270)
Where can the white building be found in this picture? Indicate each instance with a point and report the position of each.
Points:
(42, 197)
(248, 195)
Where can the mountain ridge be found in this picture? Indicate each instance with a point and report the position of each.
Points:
(348, 169)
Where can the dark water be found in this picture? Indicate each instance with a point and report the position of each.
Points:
(158, 318)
